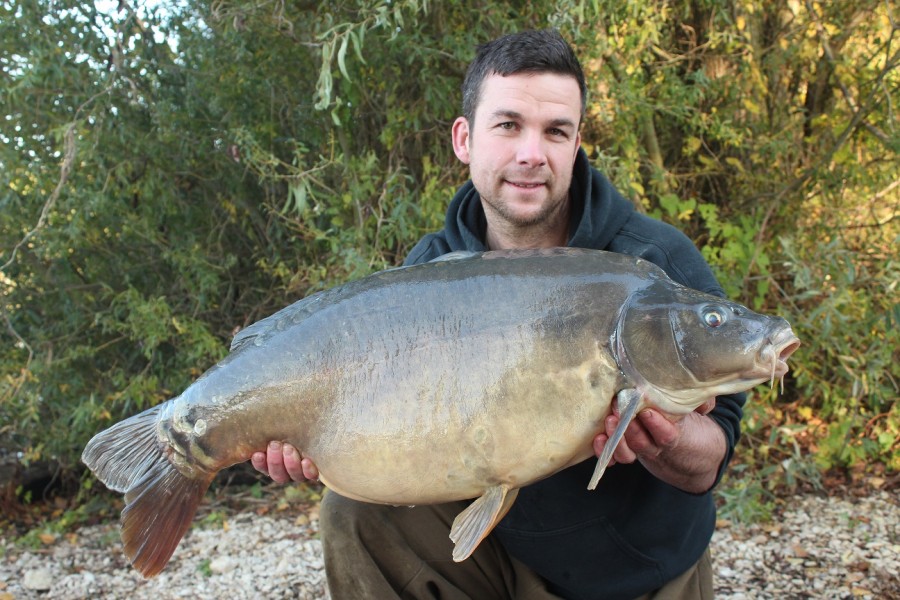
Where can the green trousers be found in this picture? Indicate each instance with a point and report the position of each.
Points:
(384, 552)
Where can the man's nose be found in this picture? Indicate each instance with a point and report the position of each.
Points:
(531, 150)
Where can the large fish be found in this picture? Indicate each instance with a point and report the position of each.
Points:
(467, 377)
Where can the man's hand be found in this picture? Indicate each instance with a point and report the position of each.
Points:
(685, 452)
(282, 462)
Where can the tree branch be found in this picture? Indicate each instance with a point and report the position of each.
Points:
(65, 169)
(890, 64)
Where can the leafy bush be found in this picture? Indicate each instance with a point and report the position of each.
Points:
(848, 378)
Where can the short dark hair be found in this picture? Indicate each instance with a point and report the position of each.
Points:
(540, 51)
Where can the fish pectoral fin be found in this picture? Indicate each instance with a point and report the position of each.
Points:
(629, 401)
(474, 523)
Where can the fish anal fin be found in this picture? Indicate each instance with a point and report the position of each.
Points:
(474, 523)
(158, 512)
(630, 402)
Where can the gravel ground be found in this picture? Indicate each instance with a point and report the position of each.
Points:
(815, 548)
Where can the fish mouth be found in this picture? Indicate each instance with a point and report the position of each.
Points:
(775, 353)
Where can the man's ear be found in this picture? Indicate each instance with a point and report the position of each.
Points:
(461, 136)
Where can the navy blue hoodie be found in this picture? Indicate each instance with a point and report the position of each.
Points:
(633, 533)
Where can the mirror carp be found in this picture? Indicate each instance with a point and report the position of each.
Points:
(467, 377)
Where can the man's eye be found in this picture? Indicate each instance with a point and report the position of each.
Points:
(509, 125)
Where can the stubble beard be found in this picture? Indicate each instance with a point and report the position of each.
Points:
(550, 211)
(530, 228)
(548, 214)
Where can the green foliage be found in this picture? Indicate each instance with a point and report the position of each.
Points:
(204, 567)
(170, 177)
(846, 309)
(256, 490)
(215, 519)
(745, 498)
(62, 521)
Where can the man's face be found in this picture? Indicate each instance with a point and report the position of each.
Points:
(521, 147)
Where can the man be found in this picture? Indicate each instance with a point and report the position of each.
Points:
(645, 531)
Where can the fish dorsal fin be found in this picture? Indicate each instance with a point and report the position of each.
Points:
(456, 255)
(476, 522)
(262, 329)
(630, 401)
(258, 332)
(245, 336)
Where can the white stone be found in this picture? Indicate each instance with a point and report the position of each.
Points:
(222, 564)
(39, 580)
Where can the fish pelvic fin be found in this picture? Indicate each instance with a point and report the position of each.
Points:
(160, 501)
(158, 512)
(475, 523)
(629, 401)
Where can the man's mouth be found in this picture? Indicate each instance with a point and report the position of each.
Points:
(525, 184)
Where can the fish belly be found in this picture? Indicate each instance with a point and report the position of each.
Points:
(428, 429)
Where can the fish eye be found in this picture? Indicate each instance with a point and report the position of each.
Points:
(713, 317)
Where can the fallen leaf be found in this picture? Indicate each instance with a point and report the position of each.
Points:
(860, 565)
(47, 538)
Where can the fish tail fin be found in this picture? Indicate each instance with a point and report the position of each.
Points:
(123, 454)
(158, 512)
(160, 501)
